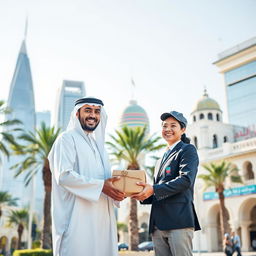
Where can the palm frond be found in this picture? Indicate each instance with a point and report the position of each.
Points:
(4, 149)
(36, 148)
(6, 198)
(218, 173)
(18, 217)
(10, 122)
(129, 143)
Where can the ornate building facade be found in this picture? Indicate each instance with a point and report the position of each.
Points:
(216, 141)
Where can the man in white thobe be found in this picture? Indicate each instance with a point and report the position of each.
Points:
(83, 196)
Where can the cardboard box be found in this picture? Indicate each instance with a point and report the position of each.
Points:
(128, 180)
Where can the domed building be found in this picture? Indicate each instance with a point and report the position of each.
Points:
(134, 116)
(207, 130)
(207, 108)
(216, 142)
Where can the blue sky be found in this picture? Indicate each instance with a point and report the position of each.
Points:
(168, 47)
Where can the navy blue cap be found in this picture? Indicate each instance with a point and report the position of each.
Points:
(177, 115)
(89, 100)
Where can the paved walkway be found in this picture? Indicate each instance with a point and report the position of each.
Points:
(125, 253)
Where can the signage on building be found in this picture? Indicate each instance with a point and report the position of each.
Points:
(244, 133)
(239, 191)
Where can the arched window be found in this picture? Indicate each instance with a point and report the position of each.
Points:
(14, 243)
(210, 117)
(248, 171)
(215, 141)
(194, 118)
(218, 117)
(195, 142)
(201, 116)
(235, 169)
(225, 139)
(3, 243)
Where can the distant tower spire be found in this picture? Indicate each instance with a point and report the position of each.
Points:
(133, 88)
(26, 29)
(205, 91)
(23, 45)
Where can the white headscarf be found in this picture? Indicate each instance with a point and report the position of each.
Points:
(99, 132)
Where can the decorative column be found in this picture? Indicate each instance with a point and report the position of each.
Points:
(245, 239)
(212, 241)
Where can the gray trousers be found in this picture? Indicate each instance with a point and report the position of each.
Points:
(175, 242)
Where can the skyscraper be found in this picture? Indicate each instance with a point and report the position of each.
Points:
(21, 94)
(69, 93)
(43, 116)
(238, 65)
(21, 102)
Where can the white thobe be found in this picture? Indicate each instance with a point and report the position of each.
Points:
(83, 220)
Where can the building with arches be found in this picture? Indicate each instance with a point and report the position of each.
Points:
(207, 129)
(9, 235)
(217, 141)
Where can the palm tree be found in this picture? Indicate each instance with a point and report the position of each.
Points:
(20, 219)
(129, 144)
(8, 127)
(36, 149)
(216, 177)
(6, 199)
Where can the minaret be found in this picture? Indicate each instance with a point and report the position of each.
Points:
(21, 102)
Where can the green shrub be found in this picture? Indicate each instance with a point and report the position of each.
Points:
(36, 244)
(35, 252)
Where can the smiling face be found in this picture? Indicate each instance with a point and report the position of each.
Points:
(89, 117)
(171, 130)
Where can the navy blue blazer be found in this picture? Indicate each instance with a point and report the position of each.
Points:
(172, 202)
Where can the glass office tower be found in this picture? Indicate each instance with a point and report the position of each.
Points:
(241, 94)
(69, 93)
(238, 65)
(21, 102)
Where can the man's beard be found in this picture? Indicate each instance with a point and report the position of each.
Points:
(86, 127)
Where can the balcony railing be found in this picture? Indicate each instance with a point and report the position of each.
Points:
(233, 148)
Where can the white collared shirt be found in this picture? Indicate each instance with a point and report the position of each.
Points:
(173, 145)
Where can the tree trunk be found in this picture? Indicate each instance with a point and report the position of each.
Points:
(20, 231)
(224, 217)
(46, 234)
(133, 219)
(133, 225)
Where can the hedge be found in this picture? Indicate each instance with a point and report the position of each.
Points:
(36, 244)
(35, 252)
